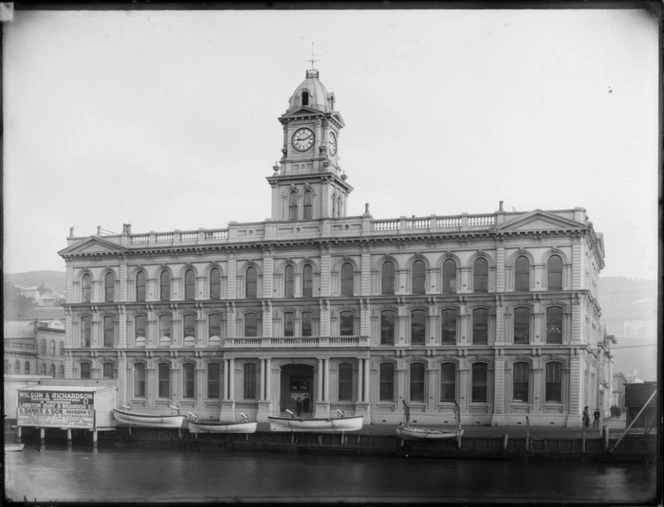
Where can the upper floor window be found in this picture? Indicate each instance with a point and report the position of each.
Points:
(289, 281)
(554, 324)
(521, 325)
(249, 381)
(554, 380)
(346, 322)
(419, 277)
(52, 347)
(554, 270)
(345, 382)
(165, 327)
(140, 286)
(213, 380)
(189, 285)
(250, 324)
(520, 382)
(307, 205)
(86, 331)
(188, 380)
(417, 327)
(109, 287)
(43, 346)
(347, 274)
(481, 275)
(62, 371)
(140, 323)
(305, 98)
(43, 370)
(26, 368)
(86, 288)
(306, 324)
(17, 367)
(164, 380)
(107, 371)
(386, 382)
(189, 325)
(449, 324)
(289, 328)
(292, 206)
(387, 278)
(447, 382)
(480, 326)
(139, 380)
(522, 273)
(252, 283)
(449, 277)
(62, 348)
(417, 382)
(165, 286)
(387, 327)
(109, 331)
(51, 371)
(85, 370)
(307, 281)
(479, 382)
(214, 325)
(215, 283)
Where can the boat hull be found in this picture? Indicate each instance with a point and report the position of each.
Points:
(14, 447)
(423, 433)
(138, 420)
(337, 425)
(222, 427)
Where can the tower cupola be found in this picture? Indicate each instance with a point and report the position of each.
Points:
(311, 93)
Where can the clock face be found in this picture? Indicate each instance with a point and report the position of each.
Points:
(303, 139)
(333, 144)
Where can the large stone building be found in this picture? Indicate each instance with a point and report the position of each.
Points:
(497, 311)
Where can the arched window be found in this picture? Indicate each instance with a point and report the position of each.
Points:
(188, 380)
(139, 380)
(51, 371)
(305, 98)
(62, 371)
(520, 382)
(250, 324)
(480, 326)
(346, 323)
(62, 348)
(109, 331)
(417, 327)
(417, 382)
(345, 382)
(109, 287)
(164, 380)
(215, 283)
(386, 382)
(307, 281)
(26, 368)
(554, 382)
(387, 278)
(140, 323)
(387, 327)
(481, 275)
(214, 325)
(289, 281)
(43, 370)
(307, 205)
(107, 371)
(213, 381)
(554, 270)
(289, 328)
(52, 347)
(189, 285)
(86, 331)
(347, 275)
(140, 286)
(252, 282)
(292, 205)
(17, 367)
(522, 273)
(447, 382)
(449, 277)
(42, 348)
(86, 288)
(479, 382)
(189, 326)
(419, 277)
(554, 324)
(521, 325)
(165, 286)
(165, 329)
(249, 381)
(307, 326)
(449, 325)
(85, 370)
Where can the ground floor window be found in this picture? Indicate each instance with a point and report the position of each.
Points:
(479, 382)
(164, 379)
(250, 381)
(520, 382)
(386, 382)
(85, 370)
(214, 380)
(108, 370)
(345, 382)
(417, 382)
(188, 380)
(448, 382)
(139, 380)
(553, 382)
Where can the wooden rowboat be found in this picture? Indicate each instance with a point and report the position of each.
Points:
(420, 432)
(133, 419)
(14, 447)
(244, 426)
(321, 425)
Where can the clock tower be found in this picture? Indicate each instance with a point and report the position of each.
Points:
(308, 183)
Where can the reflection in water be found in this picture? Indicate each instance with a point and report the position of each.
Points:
(134, 473)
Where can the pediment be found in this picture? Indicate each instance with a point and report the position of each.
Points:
(303, 111)
(539, 221)
(93, 245)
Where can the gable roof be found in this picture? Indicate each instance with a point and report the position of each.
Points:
(539, 220)
(93, 245)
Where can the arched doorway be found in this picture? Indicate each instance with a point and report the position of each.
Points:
(297, 382)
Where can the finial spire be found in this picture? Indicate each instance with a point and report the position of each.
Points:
(312, 57)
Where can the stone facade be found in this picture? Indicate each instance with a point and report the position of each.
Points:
(495, 311)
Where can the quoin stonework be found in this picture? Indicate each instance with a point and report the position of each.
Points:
(495, 311)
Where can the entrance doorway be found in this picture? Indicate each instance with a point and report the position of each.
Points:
(297, 384)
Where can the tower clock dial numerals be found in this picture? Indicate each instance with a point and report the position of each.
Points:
(333, 144)
(303, 139)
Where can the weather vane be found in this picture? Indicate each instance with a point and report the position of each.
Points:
(312, 61)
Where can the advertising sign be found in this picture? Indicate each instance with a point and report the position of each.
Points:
(56, 409)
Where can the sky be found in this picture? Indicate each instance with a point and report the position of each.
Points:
(169, 119)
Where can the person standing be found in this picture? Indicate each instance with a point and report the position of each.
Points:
(586, 417)
(596, 415)
(298, 406)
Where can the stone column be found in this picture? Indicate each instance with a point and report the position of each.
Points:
(264, 404)
(228, 403)
(498, 416)
(322, 404)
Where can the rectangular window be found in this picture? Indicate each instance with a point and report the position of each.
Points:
(346, 324)
(140, 286)
(554, 324)
(479, 380)
(449, 324)
(447, 382)
(85, 370)
(214, 381)
(108, 370)
(250, 381)
(188, 380)
(387, 328)
(307, 281)
(345, 382)
(214, 325)
(164, 378)
(554, 382)
(139, 380)
(140, 325)
(250, 325)
(386, 382)
(306, 324)
(520, 383)
(109, 331)
(417, 382)
(521, 325)
(417, 327)
(86, 331)
(480, 326)
(289, 329)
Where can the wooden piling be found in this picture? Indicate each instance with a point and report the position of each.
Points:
(506, 438)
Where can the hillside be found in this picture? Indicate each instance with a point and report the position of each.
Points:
(53, 279)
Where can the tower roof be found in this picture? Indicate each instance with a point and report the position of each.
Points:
(316, 96)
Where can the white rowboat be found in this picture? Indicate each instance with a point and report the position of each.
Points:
(14, 447)
(140, 420)
(244, 426)
(320, 425)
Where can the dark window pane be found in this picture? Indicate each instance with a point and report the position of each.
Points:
(289, 328)
(417, 327)
(86, 288)
(165, 326)
(555, 273)
(139, 380)
(480, 326)
(252, 283)
(387, 328)
(189, 326)
(447, 382)
(345, 382)
(387, 278)
(306, 324)
(164, 378)
(346, 324)
(289, 282)
(292, 206)
(522, 325)
(522, 273)
(307, 209)
(107, 370)
(165, 286)
(188, 380)
(554, 324)
(189, 285)
(140, 286)
(307, 281)
(481, 275)
(85, 370)
(109, 331)
(86, 331)
(479, 382)
(109, 287)
(250, 324)
(250, 381)
(554, 382)
(347, 274)
(215, 284)
(417, 382)
(520, 383)
(449, 325)
(214, 325)
(386, 382)
(419, 277)
(214, 380)
(449, 277)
